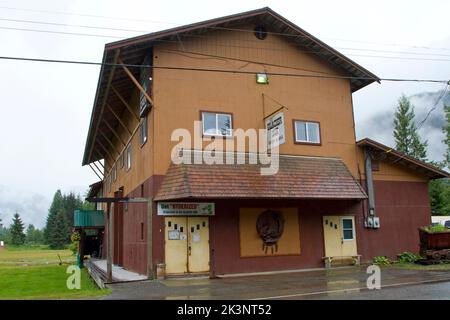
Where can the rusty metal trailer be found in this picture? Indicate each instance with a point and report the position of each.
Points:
(435, 245)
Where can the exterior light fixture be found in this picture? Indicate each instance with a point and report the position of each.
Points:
(262, 78)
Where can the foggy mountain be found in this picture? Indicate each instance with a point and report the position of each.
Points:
(381, 126)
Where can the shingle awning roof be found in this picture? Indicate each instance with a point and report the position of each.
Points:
(298, 178)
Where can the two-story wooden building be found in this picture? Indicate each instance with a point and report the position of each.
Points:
(331, 197)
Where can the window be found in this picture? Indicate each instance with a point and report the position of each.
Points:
(142, 231)
(121, 160)
(129, 157)
(375, 165)
(307, 132)
(109, 183)
(347, 229)
(114, 172)
(216, 124)
(144, 131)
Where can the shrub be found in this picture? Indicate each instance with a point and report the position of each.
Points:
(408, 257)
(381, 260)
(436, 228)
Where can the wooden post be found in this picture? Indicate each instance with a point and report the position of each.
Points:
(150, 271)
(110, 240)
(125, 103)
(128, 72)
(118, 119)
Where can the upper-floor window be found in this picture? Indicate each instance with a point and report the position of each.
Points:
(114, 172)
(216, 124)
(144, 131)
(307, 131)
(109, 183)
(129, 157)
(121, 160)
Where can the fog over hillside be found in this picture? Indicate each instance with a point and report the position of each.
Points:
(380, 127)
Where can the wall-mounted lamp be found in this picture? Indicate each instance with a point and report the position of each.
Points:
(262, 78)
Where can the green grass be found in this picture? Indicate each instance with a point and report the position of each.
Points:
(35, 273)
(413, 266)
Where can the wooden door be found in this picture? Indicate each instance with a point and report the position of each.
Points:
(198, 244)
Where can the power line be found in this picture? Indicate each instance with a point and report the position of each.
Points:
(221, 70)
(218, 28)
(224, 45)
(196, 36)
(434, 106)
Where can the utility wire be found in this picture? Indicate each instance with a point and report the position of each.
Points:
(196, 36)
(225, 45)
(435, 105)
(218, 28)
(221, 70)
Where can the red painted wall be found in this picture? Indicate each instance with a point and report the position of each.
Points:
(403, 207)
(224, 235)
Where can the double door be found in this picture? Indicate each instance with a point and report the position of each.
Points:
(186, 245)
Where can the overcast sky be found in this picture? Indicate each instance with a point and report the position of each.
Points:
(45, 108)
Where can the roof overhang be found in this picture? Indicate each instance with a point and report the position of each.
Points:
(133, 50)
(298, 177)
(94, 189)
(390, 154)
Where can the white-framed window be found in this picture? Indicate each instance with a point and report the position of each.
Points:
(307, 131)
(143, 131)
(216, 124)
(121, 160)
(348, 229)
(129, 156)
(114, 172)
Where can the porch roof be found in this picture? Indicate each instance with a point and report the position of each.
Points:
(298, 177)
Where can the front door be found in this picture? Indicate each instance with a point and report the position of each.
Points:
(186, 245)
(339, 236)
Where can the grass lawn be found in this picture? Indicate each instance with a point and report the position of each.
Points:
(35, 273)
(414, 266)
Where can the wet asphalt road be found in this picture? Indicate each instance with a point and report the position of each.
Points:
(341, 283)
(426, 291)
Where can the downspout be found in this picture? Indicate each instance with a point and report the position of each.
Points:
(372, 221)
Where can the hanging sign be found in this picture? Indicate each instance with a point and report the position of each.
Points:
(275, 130)
(186, 209)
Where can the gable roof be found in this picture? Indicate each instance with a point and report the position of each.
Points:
(133, 51)
(403, 159)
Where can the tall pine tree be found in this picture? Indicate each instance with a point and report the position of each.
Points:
(56, 206)
(446, 130)
(407, 139)
(17, 234)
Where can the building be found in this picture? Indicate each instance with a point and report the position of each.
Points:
(333, 198)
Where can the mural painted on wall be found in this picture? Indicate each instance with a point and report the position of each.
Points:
(269, 232)
(270, 226)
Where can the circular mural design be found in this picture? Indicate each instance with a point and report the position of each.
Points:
(270, 226)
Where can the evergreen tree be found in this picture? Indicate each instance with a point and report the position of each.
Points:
(58, 237)
(34, 235)
(17, 234)
(56, 206)
(407, 139)
(446, 130)
(439, 190)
